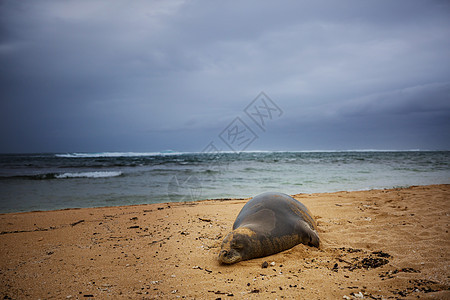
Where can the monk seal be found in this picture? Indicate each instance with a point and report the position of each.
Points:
(267, 224)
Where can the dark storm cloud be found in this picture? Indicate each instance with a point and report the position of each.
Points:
(152, 75)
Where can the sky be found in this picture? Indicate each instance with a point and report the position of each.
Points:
(94, 76)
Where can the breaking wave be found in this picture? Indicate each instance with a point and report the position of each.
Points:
(116, 154)
(99, 174)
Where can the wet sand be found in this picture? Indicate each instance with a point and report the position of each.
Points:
(379, 244)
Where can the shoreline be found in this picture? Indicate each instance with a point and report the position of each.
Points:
(221, 199)
(390, 243)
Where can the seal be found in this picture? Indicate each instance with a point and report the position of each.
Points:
(267, 224)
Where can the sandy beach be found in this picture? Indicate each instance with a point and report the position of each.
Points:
(378, 244)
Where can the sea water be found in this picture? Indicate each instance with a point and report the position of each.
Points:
(31, 182)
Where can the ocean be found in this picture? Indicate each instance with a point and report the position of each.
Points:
(30, 182)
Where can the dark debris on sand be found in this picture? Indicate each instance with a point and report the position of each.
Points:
(390, 274)
(372, 262)
(363, 260)
(421, 285)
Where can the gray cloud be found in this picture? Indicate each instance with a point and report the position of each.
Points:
(153, 75)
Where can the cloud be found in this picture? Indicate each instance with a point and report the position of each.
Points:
(422, 99)
(94, 73)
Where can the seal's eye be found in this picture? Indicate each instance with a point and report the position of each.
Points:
(236, 245)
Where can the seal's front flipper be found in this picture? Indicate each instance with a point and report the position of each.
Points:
(314, 239)
(307, 234)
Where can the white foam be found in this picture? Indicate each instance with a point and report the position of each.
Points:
(115, 154)
(98, 174)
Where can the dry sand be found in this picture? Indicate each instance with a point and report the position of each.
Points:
(375, 244)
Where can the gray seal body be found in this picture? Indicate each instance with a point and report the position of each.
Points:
(267, 224)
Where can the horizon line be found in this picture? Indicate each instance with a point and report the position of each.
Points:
(82, 154)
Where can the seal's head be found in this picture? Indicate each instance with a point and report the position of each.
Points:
(237, 246)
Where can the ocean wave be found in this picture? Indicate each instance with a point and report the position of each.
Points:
(116, 154)
(52, 176)
(99, 174)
